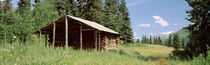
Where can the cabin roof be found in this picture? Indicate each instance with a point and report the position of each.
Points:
(87, 22)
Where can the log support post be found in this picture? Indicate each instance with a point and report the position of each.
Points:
(66, 35)
(54, 27)
(99, 40)
(96, 40)
(40, 37)
(80, 36)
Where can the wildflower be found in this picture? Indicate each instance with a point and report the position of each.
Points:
(51, 58)
(6, 50)
(34, 61)
(14, 36)
(12, 47)
(29, 62)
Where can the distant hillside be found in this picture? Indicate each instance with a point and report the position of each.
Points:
(182, 33)
(164, 35)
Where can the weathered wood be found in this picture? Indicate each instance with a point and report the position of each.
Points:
(66, 35)
(40, 37)
(46, 40)
(54, 27)
(5, 37)
(95, 40)
(99, 40)
(80, 36)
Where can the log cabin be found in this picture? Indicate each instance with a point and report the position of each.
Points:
(77, 33)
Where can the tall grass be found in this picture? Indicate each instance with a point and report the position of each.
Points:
(32, 53)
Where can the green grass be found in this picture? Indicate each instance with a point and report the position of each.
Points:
(132, 54)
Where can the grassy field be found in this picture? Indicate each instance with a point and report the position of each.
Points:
(132, 54)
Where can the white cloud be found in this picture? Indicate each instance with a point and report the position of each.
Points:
(137, 37)
(151, 33)
(136, 3)
(143, 25)
(160, 21)
(2, 0)
(134, 34)
(167, 33)
(176, 24)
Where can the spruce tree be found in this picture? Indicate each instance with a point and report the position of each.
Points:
(176, 42)
(150, 39)
(7, 6)
(183, 43)
(200, 37)
(125, 30)
(81, 7)
(1, 12)
(25, 22)
(43, 17)
(60, 6)
(111, 9)
(23, 6)
(143, 39)
(159, 40)
(71, 8)
(94, 11)
(36, 1)
(137, 41)
(155, 40)
(170, 40)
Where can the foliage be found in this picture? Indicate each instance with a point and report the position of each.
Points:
(176, 42)
(125, 24)
(129, 54)
(138, 41)
(26, 19)
(71, 8)
(200, 37)
(94, 11)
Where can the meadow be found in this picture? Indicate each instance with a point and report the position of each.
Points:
(126, 54)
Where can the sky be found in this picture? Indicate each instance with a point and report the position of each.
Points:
(153, 17)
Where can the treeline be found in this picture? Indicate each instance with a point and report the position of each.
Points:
(173, 40)
(20, 22)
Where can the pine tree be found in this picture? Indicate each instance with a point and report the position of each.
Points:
(111, 9)
(71, 8)
(7, 6)
(137, 41)
(60, 6)
(183, 43)
(81, 7)
(150, 39)
(156, 40)
(24, 6)
(159, 40)
(94, 11)
(200, 37)
(36, 1)
(147, 40)
(153, 39)
(43, 17)
(143, 39)
(176, 42)
(1, 12)
(170, 40)
(126, 30)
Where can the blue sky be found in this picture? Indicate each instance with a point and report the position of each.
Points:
(152, 17)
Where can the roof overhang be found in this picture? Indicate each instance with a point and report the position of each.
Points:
(87, 22)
